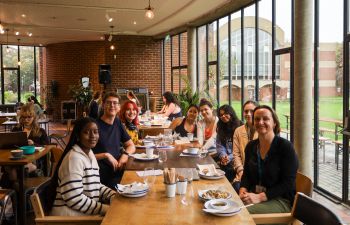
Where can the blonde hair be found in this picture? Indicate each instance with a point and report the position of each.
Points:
(28, 109)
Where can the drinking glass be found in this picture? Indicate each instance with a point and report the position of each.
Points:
(202, 153)
(189, 175)
(162, 156)
(149, 176)
(187, 198)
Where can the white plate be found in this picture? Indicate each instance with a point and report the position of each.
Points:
(233, 208)
(189, 153)
(143, 157)
(144, 147)
(201, 192)
(222, 174)
(165, 147)
(133, 195)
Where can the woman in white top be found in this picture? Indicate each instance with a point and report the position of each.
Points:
(171, 108)
(78, 187)
(207, 126)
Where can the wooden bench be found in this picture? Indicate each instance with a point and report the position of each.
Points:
(338, 150)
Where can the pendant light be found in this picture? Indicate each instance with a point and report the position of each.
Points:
(149, 11)
(19, 61)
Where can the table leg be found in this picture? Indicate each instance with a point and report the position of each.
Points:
(21, 207)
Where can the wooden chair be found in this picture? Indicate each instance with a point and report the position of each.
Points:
(40, 206)
(303, 184)
(59, 138)
(307, 211)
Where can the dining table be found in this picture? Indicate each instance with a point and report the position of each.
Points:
(157, 209)
(18, 164)
(175, 158)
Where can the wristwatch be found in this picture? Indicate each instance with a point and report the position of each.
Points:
(126, 153)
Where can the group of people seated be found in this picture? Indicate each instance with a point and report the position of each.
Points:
(259, 163)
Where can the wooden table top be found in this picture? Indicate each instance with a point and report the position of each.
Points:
(5, 155)
(156, 209)
(174, 160)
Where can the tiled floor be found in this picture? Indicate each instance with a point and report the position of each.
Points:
(329, 176)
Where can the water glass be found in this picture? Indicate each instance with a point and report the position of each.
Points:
(187, 198)
(189, 175)
(149, 176)
(162, 156)
(202, 153)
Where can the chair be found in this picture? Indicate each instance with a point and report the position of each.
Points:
(5, 195)
(32, 182)
(305, 210)
(59, 138)
(40, 206)
(303, 184)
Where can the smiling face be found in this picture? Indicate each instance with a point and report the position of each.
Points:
(263, 121)
(111, 106)
(248, 113)
(130, 113)
(89, 136)
(224, 117)
(192, 113)
(206, 111)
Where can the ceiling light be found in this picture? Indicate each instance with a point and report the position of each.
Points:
(112, 47)
(1, 28)
(108, 18)
(30, 34)
(24, 15)
(17, 33)
(19, 61)
(149, 11)
(110, 38)
(2, 31)
(134, 22)
(102, 37)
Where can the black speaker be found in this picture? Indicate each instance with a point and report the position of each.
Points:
(104, 74)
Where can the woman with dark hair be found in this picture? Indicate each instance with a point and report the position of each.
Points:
(188, 124)
(38, 108)
(128, 115)
(207, 126)
(76, 178)
(241, 137)
(270, 167)
(171, 108)
(228, 122)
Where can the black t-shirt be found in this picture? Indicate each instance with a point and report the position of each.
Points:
(111, 137)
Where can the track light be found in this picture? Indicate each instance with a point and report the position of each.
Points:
(108, 18)
(19, 61)
(112, 47)
(149, 11)
(110, 38)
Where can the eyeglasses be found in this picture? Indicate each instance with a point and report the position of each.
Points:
(222, 115)
(112, 103)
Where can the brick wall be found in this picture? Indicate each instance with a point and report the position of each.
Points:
(136, 62)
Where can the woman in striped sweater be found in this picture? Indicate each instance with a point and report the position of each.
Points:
(79, 191)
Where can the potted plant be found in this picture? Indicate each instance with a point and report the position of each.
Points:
(82, 95)
(187, 96)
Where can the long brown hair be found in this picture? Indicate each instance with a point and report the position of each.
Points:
(28, 109)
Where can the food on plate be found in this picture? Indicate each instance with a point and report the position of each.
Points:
(215, 194)
(205, 171)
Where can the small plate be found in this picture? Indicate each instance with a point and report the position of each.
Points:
(220, 172)
(186, 152)
(143, 157)
(233, 208)
(17, 158)
(202, 192)
(136, 195)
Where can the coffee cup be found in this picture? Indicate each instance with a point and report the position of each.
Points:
(190, 136)
(181, 187)
(18, 153)
(147, 143)
(149, 153)
(170, 190)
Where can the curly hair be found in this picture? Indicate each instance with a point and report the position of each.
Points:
(170, 98)
(28, 110)
(123, 110)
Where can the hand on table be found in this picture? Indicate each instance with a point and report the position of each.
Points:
(252, 198)
(122, 161)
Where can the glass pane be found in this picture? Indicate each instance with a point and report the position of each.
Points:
(330, 95)
(249, 53)
(10, 56)
(202, 65)
(175, 50)
(176, 81)
(183, 49)
(212, 46)
(223, 35)
(27, 72)
(167, 65)
(283, 93)
(11, 86)
(283, 23)
(184, 78)
(212, 85)
(265, 52)
(236, 61)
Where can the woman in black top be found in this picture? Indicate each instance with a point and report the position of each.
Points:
(188, 124)
(270, 167)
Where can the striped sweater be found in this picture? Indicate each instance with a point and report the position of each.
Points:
(79, 190)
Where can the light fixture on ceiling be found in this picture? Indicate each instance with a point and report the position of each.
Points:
(149, 11)
(19, 61)
(108, 18)
(1, 28)
(30, 34)
(112, 47)
(17, 33)
(110, 38)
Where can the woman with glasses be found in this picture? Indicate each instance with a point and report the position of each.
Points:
(241, 137)
(228, 122)
(129, 117)
(186, 125)
(270, 167)
(207, 125)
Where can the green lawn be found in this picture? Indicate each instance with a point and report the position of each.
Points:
(330, 108)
